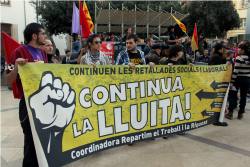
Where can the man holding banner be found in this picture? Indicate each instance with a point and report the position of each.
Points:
(132, 56)
(35, 36)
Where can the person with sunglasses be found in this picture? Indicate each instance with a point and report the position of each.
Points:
(94, 56)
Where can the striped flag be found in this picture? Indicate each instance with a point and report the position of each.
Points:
(87, 15)
(84, 22)
(194, 43)
(182, 26)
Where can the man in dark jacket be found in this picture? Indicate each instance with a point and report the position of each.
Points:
(149, 43)
(202, 43)
(154, 54)
(216, 58)
(172, 40)
(66, 59)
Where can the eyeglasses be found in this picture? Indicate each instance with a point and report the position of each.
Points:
(96, 42)
(43, 33)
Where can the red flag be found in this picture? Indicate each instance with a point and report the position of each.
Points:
(194, 43)
(9, 46)
(83, 22)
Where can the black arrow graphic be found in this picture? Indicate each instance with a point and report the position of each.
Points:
(218, 85)
(216, 105)
(207, 113)
(210, 95)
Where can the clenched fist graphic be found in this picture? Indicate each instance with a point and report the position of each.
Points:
(52, 106)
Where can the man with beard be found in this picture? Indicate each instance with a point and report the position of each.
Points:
(132, 56)
(205, 57)
(48, 48)
(154, 54)
(34, 36)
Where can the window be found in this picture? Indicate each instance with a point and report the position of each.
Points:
(242, 22)
(244, 3)
(5, 2)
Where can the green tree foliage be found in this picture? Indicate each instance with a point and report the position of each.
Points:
(211, 17)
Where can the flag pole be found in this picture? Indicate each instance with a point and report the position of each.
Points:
(71, 29)
(80, 30)
(194, 50)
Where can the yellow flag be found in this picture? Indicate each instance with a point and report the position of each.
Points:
(182, 26)
(87, 15)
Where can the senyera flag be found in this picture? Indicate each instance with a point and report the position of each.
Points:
(182, 26)
(9, 46)
(194, 43)
(87, 15)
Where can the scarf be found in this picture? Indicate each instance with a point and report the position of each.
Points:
(96, 58)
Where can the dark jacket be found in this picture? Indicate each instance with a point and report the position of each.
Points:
(171, 37)
(64, 60)
(152, 56)
(216, 59)
(187, 46)
(146, 50)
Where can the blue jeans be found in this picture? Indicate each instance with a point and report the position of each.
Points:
(243, 85)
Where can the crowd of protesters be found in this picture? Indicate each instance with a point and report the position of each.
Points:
(170, 52)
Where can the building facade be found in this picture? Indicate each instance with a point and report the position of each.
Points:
(15, 15)
(241, 6)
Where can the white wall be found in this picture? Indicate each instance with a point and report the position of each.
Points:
(60, 43)
(14, 14)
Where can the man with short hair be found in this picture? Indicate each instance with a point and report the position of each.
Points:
(205, 57)
(66, 59)
(201, 43)
(34, 35)
(149, 43)
(215, 42)
(132, 56)
(76, 44)
(179, 41)
(104, 36)
(227, 43)
(112, 37)
(172, 40)
(154, 54)
(48, 48)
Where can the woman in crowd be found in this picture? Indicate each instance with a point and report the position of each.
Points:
(164, 55)
(93, 55)
(240, 79)
(234, 48)
(127, 31)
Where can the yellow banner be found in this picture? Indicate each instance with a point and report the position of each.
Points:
(77, 110)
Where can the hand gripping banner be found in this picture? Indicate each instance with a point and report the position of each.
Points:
(76, 111)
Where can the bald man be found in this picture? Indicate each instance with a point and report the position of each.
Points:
(48, 48)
